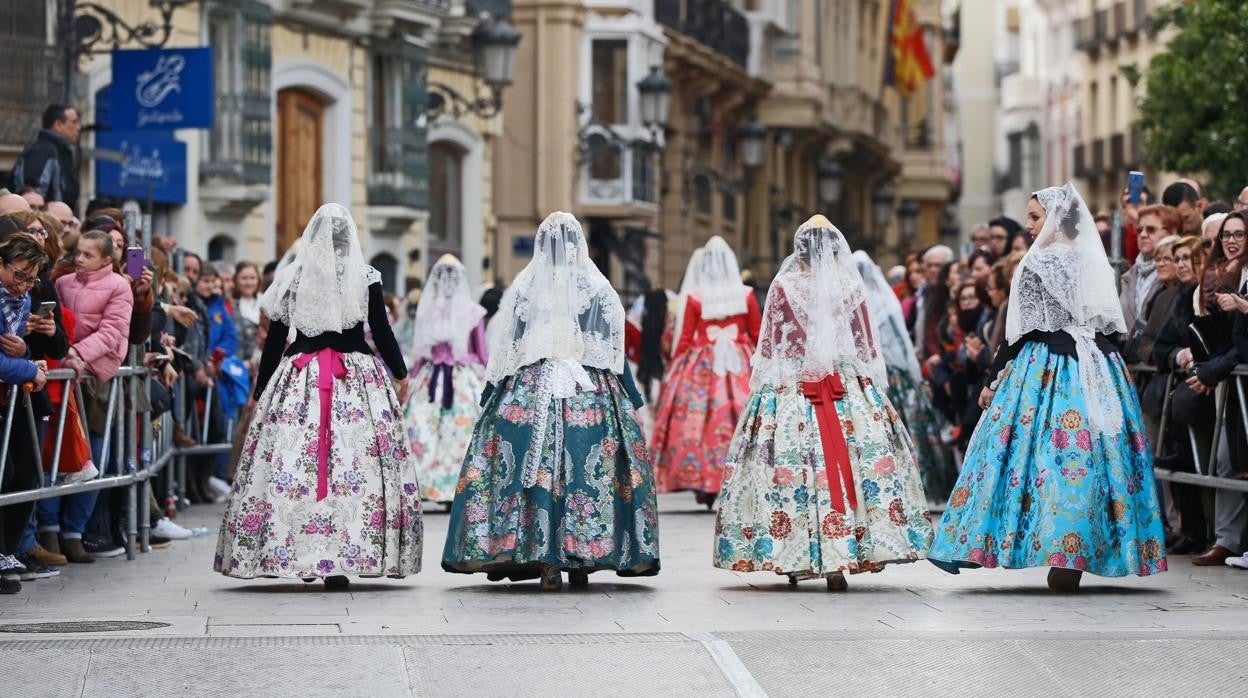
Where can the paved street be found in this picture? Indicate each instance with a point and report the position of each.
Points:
(911, 630)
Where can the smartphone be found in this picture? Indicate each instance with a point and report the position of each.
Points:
(1135, 184)
(46, 308)
(136, 259)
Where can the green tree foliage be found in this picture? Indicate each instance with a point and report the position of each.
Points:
(1194, 115)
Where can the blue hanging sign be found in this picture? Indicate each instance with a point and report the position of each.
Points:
(156, 161)
(162, 89)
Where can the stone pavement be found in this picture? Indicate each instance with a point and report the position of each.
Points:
(910, 630)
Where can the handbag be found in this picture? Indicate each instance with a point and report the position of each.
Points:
(1210, 337)
(1190, 407)
(1153, 397)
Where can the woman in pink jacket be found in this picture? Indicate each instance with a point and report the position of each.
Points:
(102, 302)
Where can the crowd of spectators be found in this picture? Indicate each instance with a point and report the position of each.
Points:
(1183, 295)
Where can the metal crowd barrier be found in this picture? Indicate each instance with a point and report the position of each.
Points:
(146, 449)
(1205, 463)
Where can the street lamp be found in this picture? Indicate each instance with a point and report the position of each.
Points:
(753, 137)
(908, 219)
(882, 200)
(830, 178)
(494, 44)
(656, 98)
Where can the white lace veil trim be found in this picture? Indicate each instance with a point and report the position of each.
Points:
(815, 321)
(720, 291)
(1065, 284)
(889, 322)
(446, 312)
(559, 307)
(688, 284)
(325, 287)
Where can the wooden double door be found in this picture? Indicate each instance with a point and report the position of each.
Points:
(300, 147)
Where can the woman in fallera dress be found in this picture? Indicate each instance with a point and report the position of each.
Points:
(708, 380)
(820, 477)
(557, 476)
(1058, 472)
(448, 349)
(326, 484)
(907, 391)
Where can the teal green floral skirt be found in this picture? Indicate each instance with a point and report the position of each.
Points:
(1039, 489)
(592, 503)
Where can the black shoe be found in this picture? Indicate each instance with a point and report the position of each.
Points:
(9, 586)
(34, 570)
(100, 548)
(157, 542)
(1186, 546)
(337, 582)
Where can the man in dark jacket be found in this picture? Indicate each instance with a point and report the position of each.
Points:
(48, 164)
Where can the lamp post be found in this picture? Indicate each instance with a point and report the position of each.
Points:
(753, 138)
(494, 44)
(656, 99)
(830, 178)
(882, 201)
(908, 219)
(88, 27)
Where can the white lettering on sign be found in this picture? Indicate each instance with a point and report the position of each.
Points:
(141, 168)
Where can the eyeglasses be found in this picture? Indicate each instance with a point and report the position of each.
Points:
(21, 277)
(1151, 229)
(999, 236)
(37, 231)
(1183, 258)
(1236, 235)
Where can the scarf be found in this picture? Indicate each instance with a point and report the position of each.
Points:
(13, 308)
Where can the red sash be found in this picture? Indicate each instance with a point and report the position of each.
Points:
(823, 395)
(330, 364)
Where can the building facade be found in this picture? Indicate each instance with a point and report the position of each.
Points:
(326, 102)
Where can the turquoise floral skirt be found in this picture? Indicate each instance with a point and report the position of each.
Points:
(937, 467)
(592, 505)
(1038, 489)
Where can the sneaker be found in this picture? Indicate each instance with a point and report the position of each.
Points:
(90, 472)
(34, 570)
(1241, 562)
(168, 529)
(102, 549)
(11, 569)
(9, 586)
(219, 487)
(157, 542)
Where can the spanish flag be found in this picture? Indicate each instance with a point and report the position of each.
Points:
(908, 62)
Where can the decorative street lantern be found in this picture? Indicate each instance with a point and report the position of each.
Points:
(908, 219)
(656, 98)
(753, 137)
(830, 178)
(494, 42)
(882, 201)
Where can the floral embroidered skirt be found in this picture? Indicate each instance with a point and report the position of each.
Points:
(1038, 489)
(369, 524)
(697, 412)
(937, 467)
(439, 435)
(592, 505)
(776, 510)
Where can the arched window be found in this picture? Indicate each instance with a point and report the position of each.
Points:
(446, 199)
(221, 248)
(388, 266)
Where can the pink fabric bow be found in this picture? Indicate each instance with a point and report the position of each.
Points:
(329, 362)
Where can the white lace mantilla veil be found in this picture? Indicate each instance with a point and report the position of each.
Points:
(816, 321)
(720, 291)
(889, 322)
(559, 307)
(1064, 283)
(446, 312)
(325, 287)
(688, 284)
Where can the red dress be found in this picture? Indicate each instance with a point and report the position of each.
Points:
(704, 392)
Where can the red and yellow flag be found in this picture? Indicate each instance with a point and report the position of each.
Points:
(909, 64)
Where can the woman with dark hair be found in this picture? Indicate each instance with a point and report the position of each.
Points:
(979, 264)
(1058, 472)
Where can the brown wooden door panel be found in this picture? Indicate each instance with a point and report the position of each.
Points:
(300, 117)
